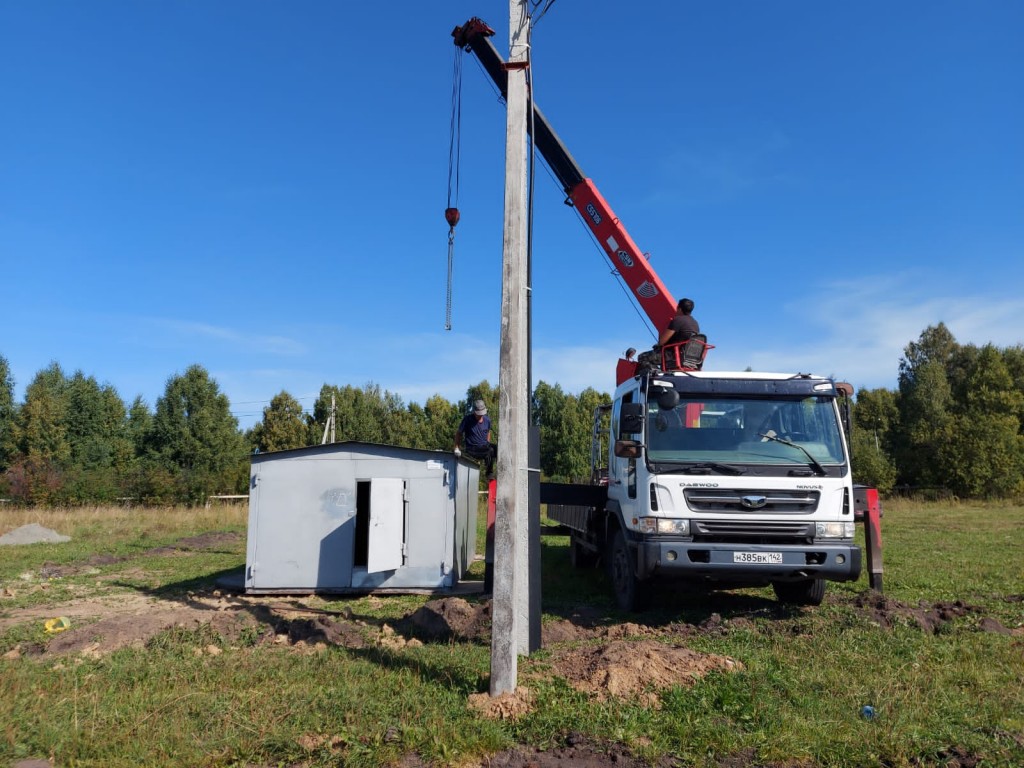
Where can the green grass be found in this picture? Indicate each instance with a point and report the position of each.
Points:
(806, 675)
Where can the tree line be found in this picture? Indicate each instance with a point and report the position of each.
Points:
(73, 440)
(954, 422)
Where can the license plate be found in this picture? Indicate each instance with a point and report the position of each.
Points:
(757, 557)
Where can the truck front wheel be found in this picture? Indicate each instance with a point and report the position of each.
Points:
(630, 593)
(806, 592)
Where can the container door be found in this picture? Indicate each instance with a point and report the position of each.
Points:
(387, 524)
(253, 532)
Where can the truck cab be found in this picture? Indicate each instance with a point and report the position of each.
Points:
(730, 479)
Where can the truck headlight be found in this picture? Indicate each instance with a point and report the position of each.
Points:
(667, 525)
(834, 530)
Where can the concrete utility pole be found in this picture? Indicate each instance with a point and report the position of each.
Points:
(510, 605)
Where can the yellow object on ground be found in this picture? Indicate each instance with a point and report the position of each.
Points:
(58, 624)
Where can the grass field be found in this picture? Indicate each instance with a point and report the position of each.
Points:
(940, 659)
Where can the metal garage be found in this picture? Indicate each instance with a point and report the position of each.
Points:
(357, 516)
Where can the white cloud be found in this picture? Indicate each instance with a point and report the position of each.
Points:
(272, 344)
(858, 329)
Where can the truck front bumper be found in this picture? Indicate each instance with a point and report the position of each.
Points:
(747, 562)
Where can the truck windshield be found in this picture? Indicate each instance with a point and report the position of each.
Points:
(741, 431)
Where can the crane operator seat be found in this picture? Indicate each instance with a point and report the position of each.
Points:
(686, 355)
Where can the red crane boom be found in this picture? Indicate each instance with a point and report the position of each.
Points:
(581, 193)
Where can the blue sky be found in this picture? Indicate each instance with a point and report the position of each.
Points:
(258, 187)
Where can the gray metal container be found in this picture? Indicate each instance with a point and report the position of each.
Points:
(356, 516)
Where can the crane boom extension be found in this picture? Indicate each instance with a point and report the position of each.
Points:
(581, 193)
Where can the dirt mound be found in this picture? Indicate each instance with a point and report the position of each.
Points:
(507, 706)
(629, 669)
(450, 618)
(323, 629)
(567, 631)
(888, 613)
(110, 634)
(562, 631)
(988, 624)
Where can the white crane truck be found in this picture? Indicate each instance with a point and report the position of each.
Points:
(721, 479)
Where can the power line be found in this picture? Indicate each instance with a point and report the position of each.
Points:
(257, 402)
(545, 9)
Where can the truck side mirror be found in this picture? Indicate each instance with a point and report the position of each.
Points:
(631, 419)
(627, 449)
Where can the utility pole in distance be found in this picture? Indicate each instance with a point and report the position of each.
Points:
(509, 633)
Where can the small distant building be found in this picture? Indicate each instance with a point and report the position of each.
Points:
(352, 517)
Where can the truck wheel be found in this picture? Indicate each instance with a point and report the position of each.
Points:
(630, 593)
(807, 592)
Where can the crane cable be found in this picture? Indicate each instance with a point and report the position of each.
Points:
(451, 213)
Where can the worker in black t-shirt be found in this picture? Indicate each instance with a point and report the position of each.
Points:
(682, 326)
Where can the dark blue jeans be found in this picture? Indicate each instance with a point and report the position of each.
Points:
(485, 453)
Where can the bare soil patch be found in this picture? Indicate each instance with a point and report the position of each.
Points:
(888, 613)
(629, 669)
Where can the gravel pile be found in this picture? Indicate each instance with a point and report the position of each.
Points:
(32, 533)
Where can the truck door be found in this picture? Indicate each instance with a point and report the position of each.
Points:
(622, 470)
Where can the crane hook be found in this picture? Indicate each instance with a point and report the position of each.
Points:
(451, 215)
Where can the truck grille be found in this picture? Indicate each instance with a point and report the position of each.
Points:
(751, 502)
(751, 531)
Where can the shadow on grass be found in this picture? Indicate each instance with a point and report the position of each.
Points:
(456, 677)
(583, 596)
